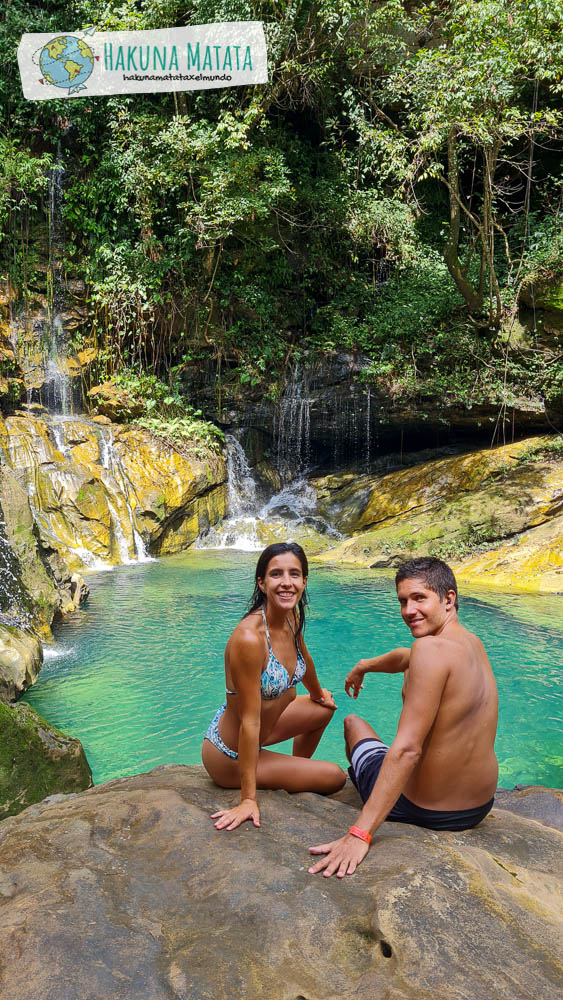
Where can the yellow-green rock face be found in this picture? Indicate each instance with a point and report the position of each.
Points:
(99, 492)
(531, 561)
(461, 509)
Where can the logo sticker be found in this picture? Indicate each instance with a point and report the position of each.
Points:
(94, 63)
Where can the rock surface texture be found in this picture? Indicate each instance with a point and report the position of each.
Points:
(498, 512)
(102, 494)
(127, 891)
(21, 659)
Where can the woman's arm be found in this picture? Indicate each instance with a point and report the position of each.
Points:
(394, 662)
(246, 655)
(311, 681)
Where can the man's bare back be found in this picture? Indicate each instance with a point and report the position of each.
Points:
(458, 768)
(441, 770)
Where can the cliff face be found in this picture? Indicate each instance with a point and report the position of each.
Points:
(127, 890)
(103, 493)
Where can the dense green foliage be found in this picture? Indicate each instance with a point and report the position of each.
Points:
(392, 190)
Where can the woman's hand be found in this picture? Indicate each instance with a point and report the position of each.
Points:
(231, 818)
(326, 700)
(354, 681)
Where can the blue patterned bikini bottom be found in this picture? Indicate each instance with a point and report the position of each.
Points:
(212, 735)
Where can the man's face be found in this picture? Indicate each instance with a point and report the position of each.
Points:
(421, 608)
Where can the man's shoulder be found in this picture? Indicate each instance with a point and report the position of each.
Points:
(435, 650)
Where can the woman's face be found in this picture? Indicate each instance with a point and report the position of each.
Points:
(283, 583)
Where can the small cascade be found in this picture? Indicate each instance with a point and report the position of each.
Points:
(58, 433)
(119, 535)
(58, 394)
(368, 429)
(110, 462)
(12, 594)
(241, 487)
(249, 526)
(292, 428)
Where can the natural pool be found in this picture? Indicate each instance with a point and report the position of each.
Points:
(137, 673)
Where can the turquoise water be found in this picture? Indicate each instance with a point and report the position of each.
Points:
(137, 673)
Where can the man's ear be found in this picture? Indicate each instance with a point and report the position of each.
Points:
(450, 599)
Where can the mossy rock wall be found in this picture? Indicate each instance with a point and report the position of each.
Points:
(36, 760)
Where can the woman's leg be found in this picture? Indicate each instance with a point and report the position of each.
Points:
(298, 774)
(276, 770)
(304, 721)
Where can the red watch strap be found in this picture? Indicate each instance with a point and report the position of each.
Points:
(360, 834)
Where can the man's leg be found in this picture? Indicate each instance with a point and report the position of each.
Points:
(356, 729)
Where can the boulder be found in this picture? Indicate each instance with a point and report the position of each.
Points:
(496, 511)
(36, 760)
(127, 890)
(544, 294)
(21, 659)
(115, 402)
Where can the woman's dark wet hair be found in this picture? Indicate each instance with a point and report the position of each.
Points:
(258, 599)
(436, 574)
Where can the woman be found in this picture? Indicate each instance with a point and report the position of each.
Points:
(265, 658)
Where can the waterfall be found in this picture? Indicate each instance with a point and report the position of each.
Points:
(12, 594)
(368, 429)
(292, 427)
(241, 487)
(57, 382)
(110, 462)
(249, 525)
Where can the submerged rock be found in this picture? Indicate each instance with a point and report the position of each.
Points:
(128, 891)
(36, 760)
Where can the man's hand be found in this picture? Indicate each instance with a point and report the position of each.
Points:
(355, 680)
(342, 856)
(231, 818)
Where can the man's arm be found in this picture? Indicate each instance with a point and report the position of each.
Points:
(394, 662)
(429, 670)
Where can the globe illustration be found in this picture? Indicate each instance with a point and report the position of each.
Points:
(66, 62)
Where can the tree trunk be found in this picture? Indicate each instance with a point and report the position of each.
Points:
(472, 297)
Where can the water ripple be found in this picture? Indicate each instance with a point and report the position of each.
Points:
(138, 672)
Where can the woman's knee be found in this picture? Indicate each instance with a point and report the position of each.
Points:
(334, 778)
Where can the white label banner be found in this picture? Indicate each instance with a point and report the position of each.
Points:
(91, 63)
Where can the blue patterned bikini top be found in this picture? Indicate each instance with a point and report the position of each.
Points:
(274, 679)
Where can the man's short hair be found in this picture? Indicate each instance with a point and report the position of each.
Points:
(436, 574)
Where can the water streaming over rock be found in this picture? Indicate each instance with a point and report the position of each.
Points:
(251, 524)
(292, 427)
(57, 394)
(110, 461)
(13, 598)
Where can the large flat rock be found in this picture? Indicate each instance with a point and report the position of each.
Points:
(127, 891)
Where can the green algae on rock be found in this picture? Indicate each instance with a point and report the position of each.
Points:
(99, 490)
(36, 760)
(454, 507)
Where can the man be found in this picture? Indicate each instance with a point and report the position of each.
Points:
(440, 771)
